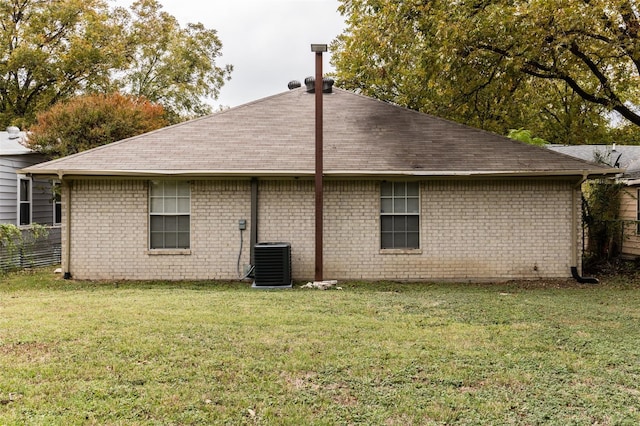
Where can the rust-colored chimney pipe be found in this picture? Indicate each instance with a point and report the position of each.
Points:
(319, 49)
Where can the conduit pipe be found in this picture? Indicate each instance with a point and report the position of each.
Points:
(254, 220)
(67, 249)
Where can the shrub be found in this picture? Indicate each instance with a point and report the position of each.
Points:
(16, 245)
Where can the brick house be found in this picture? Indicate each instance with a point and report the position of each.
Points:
(407, 196)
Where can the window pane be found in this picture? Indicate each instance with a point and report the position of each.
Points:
(170, 205)
(170, 240)
(183, 224)
(413, 189)
(399, 205)
(157, 224)
(155, 189)
(400, 189)
(386, 223)
(58, 213)
(170, 189)
(399, 240)
(386, 205)
(183, 205)
(413, 240)
(386, 189)
(413, 223)
(184, 189)
(386, 240)
(157, 240)
(399, 223)
(25, 213)
(183, 240)
(24, 190)
(413, 205)
(170, 223)
(157, 205)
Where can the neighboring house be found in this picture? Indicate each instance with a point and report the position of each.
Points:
(407, 196)
(627, 158)
(25, 200)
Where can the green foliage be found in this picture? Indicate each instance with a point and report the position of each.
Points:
(171, 65)
(554, 67)
(625, 135)
(17, 244)
(51, 51)
(601, 215)
(10, 238)
(524, 135)
(89, 121)
(222, 353)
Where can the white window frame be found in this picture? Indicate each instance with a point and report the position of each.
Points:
(397, 203)
(20, 202)
(167, 204)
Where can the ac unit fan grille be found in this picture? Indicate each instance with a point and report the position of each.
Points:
(272, 265)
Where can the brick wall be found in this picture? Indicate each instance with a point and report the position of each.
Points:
(469, 230)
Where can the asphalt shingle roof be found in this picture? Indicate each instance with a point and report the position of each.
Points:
(13, 143)
(624, 156)
(275, 136)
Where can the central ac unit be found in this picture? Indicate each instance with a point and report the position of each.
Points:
(272, 265)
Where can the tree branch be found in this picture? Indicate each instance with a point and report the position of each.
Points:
(537, 69)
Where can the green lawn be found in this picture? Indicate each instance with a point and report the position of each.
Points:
(376, 354)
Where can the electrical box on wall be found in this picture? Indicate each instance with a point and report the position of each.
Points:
(242, 224)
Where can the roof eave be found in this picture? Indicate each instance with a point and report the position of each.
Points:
(605, 172)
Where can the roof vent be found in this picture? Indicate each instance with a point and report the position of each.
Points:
(14, 132)
(294, 84)
(327, 84)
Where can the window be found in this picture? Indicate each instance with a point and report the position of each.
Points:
(169, 215)
(400, 215)
(57, 203)
(24, 200)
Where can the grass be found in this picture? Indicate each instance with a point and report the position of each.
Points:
(373, 353)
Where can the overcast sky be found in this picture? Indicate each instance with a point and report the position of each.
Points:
(268, 42)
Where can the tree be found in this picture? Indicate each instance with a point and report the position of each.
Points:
(554, 67)
(601, 215)
(171, 65)
(89, 121)
(51, 51)
(524, 135)
(591, 45)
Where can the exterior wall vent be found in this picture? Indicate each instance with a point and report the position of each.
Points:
(13, 132)
(327, 84)
(272, 262)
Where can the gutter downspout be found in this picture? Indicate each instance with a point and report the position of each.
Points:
(254, 220)
(67, 253)
(574, 237)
